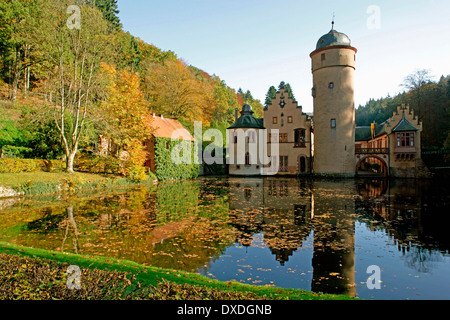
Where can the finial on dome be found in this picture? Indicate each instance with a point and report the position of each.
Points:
(332, 22)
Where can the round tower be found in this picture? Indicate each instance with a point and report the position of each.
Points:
(333, 68)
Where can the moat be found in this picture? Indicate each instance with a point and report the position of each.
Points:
(318, 235)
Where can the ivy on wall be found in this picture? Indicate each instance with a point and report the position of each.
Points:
(166, 169)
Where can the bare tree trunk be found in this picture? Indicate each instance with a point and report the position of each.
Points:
(16, 76)
(70, 160)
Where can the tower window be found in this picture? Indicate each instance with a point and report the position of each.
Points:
(333, 123)
(322, 57)
(331, 85)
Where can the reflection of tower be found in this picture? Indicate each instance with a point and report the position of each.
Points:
(246, 207)
(334, 238)
(333, 68)
(287, 216)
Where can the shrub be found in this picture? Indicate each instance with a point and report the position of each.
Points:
(95, 164)
(16, 152)
(137, 173)
(29, 165)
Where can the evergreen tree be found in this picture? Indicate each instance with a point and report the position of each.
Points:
(110, 11)
(271, 94)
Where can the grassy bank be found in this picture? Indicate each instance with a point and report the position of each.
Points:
(29, 273)
(34, 183)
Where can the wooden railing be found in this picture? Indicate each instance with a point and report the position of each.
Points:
(372, 151)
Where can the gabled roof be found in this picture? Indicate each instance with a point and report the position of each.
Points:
(165, 127)
(404, 125)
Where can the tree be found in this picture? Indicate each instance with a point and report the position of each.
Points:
(175, 92)
(127, 118)
(271, 94)
(110, 12)
(18, 20)
(414, 83)
(75, 55)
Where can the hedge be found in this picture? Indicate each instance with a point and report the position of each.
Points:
(95, 164)
(166, 169)
(30, 165)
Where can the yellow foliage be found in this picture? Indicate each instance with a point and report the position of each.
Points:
(128, 112)
(176, 92)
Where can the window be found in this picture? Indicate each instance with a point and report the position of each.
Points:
(251, 136)
(405, 140)
(247, 159)
(331, 85)
(275, 120)
(322, 58)
(283, 137)
(284, 164)
(290, 120)
(333, 123)
(299, 137)
(273, 137)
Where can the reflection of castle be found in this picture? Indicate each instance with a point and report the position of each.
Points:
(399, 206)
(286, 211)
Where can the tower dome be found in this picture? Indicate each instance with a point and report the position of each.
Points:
(333, 38)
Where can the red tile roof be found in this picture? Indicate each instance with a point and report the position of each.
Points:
(165, 127)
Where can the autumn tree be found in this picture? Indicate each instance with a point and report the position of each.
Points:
(127, 120)
(175, 92)
(225, 102)
(75, 52)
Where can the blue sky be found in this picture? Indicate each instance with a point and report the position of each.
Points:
(253, 44)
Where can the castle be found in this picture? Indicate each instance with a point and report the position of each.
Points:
(329, 144)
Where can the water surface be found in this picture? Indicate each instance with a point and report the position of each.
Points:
(315, 235)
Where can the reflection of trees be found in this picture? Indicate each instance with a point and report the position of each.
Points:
(71, 224)
(414, 214)
(421, 259)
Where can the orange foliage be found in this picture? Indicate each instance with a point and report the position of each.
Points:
(128, 111)
(175, 92)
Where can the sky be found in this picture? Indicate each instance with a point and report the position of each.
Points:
(254, 44)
